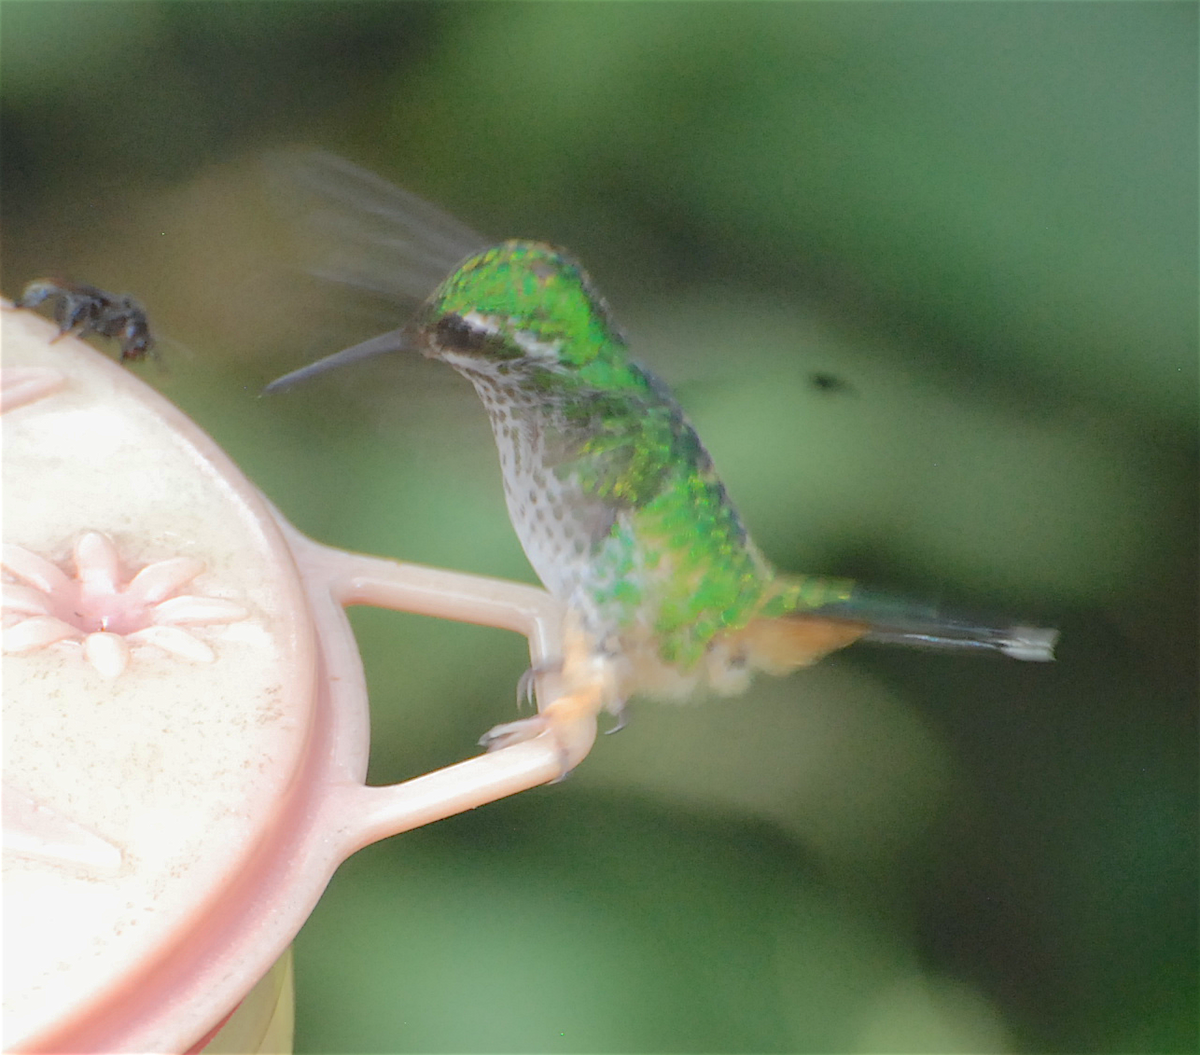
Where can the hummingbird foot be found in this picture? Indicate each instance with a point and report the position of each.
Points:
(569, 722)
(589, 684)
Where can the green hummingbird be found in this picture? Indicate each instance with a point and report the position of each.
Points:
(611, 492)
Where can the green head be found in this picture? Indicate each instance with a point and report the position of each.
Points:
(523, 311)
(529, 311)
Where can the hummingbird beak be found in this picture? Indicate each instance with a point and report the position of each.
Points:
(392, 341)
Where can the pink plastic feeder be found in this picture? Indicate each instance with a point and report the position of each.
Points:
(185, 718)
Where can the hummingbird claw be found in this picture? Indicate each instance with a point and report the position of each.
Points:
(509, 733)
(569, 723)
(528, 682)
(619, 724)
(525, 688)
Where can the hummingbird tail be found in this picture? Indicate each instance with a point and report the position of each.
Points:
(1032, 643)
(838, 612)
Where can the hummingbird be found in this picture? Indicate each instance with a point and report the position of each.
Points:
(615, 500)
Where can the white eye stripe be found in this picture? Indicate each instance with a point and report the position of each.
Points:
(526, 340)
(535, 349)
(485, 324)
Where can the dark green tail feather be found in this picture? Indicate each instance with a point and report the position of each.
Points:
(898, 621)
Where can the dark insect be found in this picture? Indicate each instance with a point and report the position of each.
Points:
(824, 382)
(84, 309)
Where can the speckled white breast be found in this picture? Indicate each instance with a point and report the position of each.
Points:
(548, 513)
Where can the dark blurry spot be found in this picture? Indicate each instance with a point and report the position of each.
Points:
(824, 382)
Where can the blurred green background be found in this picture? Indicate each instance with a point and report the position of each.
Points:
(924, 275)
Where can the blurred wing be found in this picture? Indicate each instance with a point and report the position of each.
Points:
(622, 446)
(361, 231)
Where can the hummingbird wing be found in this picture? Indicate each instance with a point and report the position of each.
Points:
(619, 455)
(625, 446)
(363, 231)
(359, 230)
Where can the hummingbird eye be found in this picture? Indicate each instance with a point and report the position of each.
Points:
(454, 333)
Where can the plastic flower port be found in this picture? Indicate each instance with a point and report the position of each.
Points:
(46, 605)
(20, 385)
